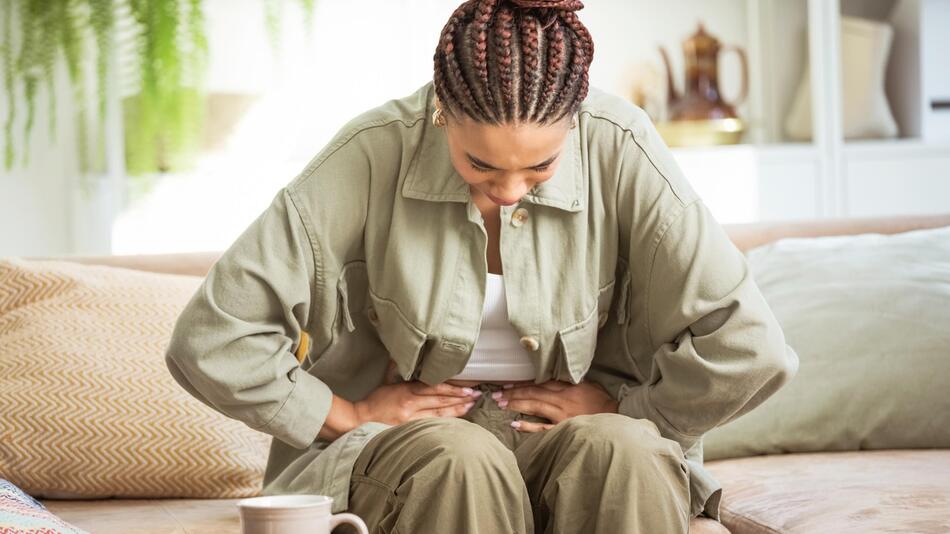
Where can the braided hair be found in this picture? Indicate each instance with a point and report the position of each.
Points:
(513, 61)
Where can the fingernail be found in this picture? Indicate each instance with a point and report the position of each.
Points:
(516, 424)
(477, 394)
(508, 386)
(467, 391)
(496, 395)
(469, 404)
(503, 404)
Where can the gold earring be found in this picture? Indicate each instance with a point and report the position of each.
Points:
(574, 121)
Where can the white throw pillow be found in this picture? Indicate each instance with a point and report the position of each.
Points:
(869, 317)
(865, 45)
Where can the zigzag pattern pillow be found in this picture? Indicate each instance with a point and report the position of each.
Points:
(88, 408)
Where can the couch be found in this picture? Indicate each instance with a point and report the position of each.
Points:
(847, 491)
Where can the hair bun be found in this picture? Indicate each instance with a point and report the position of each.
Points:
(566, 5)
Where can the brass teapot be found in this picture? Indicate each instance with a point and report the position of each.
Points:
(702, 99)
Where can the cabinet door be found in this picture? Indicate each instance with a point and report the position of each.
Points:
(914, 185)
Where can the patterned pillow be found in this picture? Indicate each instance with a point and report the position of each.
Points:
(21, 513)
(87, 405)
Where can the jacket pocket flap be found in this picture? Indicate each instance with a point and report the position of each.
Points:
(402, 339)
(577, 348)
(579, 342)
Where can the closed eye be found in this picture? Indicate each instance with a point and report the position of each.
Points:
(535, 169)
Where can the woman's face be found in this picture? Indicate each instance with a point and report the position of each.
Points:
(503, 162)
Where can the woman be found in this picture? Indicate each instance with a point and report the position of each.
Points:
(516, 249)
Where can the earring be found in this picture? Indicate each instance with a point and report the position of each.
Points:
(574, 121)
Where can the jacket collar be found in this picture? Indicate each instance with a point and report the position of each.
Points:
(431, 175)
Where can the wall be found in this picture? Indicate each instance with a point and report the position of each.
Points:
(361, 54)
(34, 211)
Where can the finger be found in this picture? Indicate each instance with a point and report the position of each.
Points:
(531, 393)
(531, 426)
(535, 407)
(421, 388)
(426, 402)
(554, 385)
(445, 411)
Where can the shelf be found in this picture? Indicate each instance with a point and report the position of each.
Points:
(879, 149)
(770, 152)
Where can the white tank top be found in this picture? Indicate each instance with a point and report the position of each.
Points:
(498, 354)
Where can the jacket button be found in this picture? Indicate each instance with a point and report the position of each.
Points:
(529, 343)
(372, 314)
(519, 217)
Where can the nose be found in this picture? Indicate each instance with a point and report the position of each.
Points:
(502, 201)
(509, 193)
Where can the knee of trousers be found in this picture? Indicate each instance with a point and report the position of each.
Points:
(451, 443)
(621, 435)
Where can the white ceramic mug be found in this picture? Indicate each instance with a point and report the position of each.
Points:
(293, 514)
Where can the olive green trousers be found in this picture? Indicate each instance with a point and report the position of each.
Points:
(477, 475)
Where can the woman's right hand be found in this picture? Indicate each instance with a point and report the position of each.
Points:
(405, 401)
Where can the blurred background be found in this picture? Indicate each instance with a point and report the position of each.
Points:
(152, 126)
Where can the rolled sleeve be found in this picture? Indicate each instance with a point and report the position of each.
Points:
(233, 345)
(718, 350)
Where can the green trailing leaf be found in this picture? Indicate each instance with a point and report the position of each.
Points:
(308, 9)
(71, 21)
(8, 67)
(273, 14)
(272, 22)
(47, 57)
(164, 120)
(102, 19)
(32, 25)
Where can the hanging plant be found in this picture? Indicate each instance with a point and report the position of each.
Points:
(170, 60)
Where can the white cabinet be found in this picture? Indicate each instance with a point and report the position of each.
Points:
(897, 178)
(773, 177)
(743, 183)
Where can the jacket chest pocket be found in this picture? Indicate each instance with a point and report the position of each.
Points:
(347, 330)
(403, 340)
(577, 343)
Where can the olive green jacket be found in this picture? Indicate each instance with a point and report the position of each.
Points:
(619, 274)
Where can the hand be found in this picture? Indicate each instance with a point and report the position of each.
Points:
(556, 401)
(404, 401)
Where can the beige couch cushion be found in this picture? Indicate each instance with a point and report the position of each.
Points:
(840, 492)
(87, 406)
(126, 516)
(868, 316)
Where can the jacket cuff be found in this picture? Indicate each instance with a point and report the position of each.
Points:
(300, 418)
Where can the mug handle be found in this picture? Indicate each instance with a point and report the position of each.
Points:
(353, 519)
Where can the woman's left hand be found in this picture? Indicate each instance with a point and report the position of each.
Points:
(556, 401)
